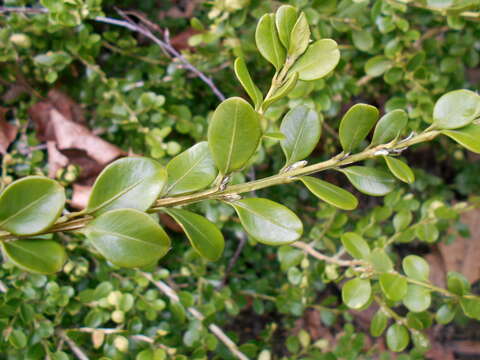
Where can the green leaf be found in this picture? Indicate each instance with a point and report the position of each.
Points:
(456, 109)
(191, 170)
(427, 232)
(302, 129)
(299, 38)
(393, 286)
(363, 40)
(133, 182)
(356, 124)
(128, 237)
(268, 42)
(416, 268)
(380, 261)
(285, 19)
(330, 193)
(457, 283)
(379, 323)
(401, 220)
(268, 222)
(204, 236)
(371, 181)
(377, 65)
(471, 307)
(467, 137)
(445, 314)
(274, 135)
(31, 205)
(319, 60)
(389, 127)
(401, 170)
(397, 337)
(355, 245)
(234, 134)
(17, 339)
(36, 255)
(241, 71)
(287, 86)
(356, 293)
(417, 299)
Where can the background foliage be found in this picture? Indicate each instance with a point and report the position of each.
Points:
(273, 302)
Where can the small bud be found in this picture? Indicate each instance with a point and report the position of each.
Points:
(232, 197)
(121, 343)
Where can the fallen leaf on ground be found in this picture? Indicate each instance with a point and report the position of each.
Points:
(8, 132)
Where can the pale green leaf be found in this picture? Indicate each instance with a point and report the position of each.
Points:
(389, 127)
(241, 71)
(330, 193)
(356, 293)
(268, 42)
(371, 181)
(379, 323)
(400, 170)
(456, 109)
(299, 38)
(285, 19)
(355, 245)
(417, 299)
(397, 337)
(377, 65)
(416, 268)
(393, 286)
(319, 60)
(467, 137)
(287, 86)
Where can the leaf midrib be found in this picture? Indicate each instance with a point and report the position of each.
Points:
(264, 217)
(201, 158)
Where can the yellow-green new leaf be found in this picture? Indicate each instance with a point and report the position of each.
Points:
(128, 237)
(191, 170)
(299, 37)
(233, 134)
(417, 298)
(268, 42)
(31, 205)
(132, 182)
(268, 222)
(356, 124)
(355, 245)
(393, 286)
(302, 129)
(400, 170)
(285, 19)
(241, 71)
(456, 109)
(204, 236)
(330, 193)
(36, 255)
(416, 268)
(467, 136)
(370, 181)
(356, 293)
(319, 60)
(389, 127)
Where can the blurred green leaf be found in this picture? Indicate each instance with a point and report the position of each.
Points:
(397, 338)
(355, 245)
(456, 109)
(393, 286)
(356, 293)
(416, 268)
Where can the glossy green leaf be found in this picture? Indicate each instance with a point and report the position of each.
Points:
(456, 109)
(36, 255)
(31, 205)
(204, 236)
(389, 127)
(319, 60)
(379, 323)
(268, 222)
(471, 307)
(417, 299)
(234, 134)
(416, 268)
(128, 237)
(397, 337)
(445, 314)
(457, 283)
(380, 261)
(356, 124)
(285, 19)
(377, 65)
(401, 170)
(299, 38)
(393, 286)
(287, 86)
(371, 181)
(268, 42)
(133, 182)
(467, 137)
(356, 293)
(241, 71)
(355, 245)
(331, 194)
(302, 129)
(191, 170)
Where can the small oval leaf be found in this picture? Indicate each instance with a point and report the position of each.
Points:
(397, 337)
(191, 170)
(417, 299)
(356, 293)
(319, 60)
(128, 237)
(285, 19)
(393, 286)
(356, 124)
(133, 182)
(299, 38)
(302, 129)
(36, 255)
(389, 127)
(377, 65)
(268, 222)
(400, 170)
(31, 205)
(330, 193)
(233, 134)
(456, 109)
(355, 245)
(467, 137)
(241, 71)
(416, 267)
(204, 236)
(371, 181)
(268, 42)
(379, 323)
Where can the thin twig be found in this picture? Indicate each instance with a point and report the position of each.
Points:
(318, 255)
(167, 290)
(79, 353)
(23, 10)
(234, 259)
